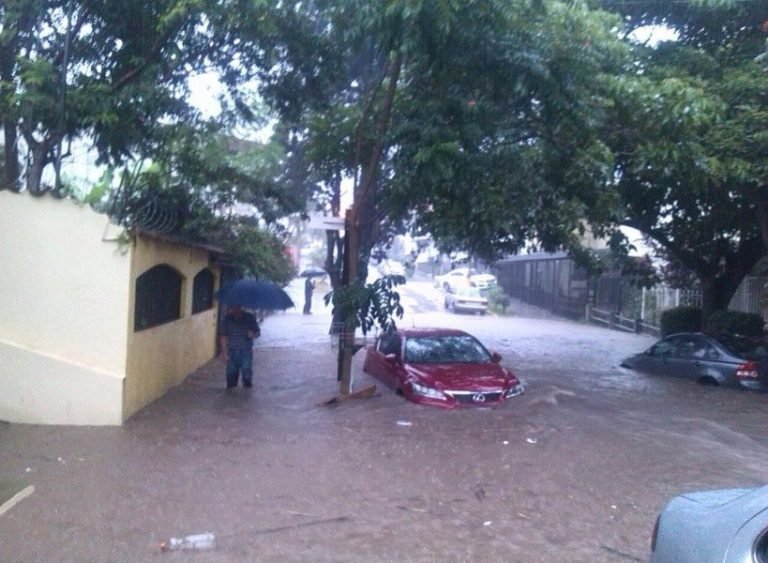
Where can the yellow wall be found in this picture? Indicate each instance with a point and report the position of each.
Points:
(68, 351)
(64, 300)
(40, 389)
(160, 357)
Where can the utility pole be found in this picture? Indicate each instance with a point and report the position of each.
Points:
(62, 101)
(364, 194)
(349, 275)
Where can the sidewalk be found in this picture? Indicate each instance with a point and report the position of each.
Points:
(198, 459)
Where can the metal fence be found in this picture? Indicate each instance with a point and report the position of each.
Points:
(620, 304)
(553, 281)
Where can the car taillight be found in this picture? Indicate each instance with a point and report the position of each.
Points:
(747, 370)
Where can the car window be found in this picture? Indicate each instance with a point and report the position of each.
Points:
(664, 347)
(468, 292)
(445, 349)
(742, 346)
(389, 344)
(691, 347)
(682, 346)
(706, 352)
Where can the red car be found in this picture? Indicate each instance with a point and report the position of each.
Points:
(441, 367)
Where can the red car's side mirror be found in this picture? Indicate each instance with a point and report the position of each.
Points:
(495, 357)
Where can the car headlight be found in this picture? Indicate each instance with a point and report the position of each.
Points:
(425, 391)
(515, 390)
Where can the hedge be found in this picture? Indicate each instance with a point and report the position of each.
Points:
(681, 319)
(735, 322)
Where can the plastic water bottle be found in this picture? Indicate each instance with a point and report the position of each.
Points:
(195, 542)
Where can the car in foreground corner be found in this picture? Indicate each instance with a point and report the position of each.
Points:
(723, 526)
(466, 300)
(734, 361)
(440, 367)
(464, 277)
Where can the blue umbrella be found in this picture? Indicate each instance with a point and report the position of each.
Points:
(312, 272)
(254, 294)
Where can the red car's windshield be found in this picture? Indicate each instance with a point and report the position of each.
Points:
(445, 349)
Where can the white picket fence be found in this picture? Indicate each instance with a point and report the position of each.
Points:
(641, 309)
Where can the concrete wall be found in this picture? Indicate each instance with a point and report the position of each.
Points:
(160, 357)
(64, 300)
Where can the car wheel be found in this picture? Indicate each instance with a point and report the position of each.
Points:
(708, 380)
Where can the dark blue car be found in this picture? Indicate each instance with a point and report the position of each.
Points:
(734, 361)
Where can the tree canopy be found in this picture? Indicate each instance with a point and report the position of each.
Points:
(490, 124)
(688, 131)
(115, 76)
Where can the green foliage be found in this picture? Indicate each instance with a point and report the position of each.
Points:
(366, 305)
(498, 300)
(261, 254)
(191, 188)
(735, 322)
(691, 155)
(116, 72)
(681, 319)
(497, 141)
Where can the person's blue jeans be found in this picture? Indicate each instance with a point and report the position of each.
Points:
(239, 361)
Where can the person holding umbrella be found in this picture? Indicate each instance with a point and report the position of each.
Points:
(309, 286)
(237, 333)
(309, 289)
(239, 328)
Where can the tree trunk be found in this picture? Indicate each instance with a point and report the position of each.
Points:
(361, 219)
(334, 254)
(11, 178)
(761, 211)
(719, 287)
(40, 158)
(715, 297)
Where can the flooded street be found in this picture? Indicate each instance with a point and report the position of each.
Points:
(576, 469)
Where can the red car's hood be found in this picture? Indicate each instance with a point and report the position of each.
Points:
(460, 377)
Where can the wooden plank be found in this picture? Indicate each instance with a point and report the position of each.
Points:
(13, 492)
(364, 393)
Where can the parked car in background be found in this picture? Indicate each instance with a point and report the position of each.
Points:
(466, 300)
(464, 277)
(440, 367)
(723, 526)
(735, 361)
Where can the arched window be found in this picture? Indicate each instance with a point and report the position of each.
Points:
(202, 291)
(158, 297)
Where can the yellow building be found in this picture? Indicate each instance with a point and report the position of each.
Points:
(95, 322)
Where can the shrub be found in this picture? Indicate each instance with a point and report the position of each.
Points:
(681, 319)
(735, 322)
(497, 299)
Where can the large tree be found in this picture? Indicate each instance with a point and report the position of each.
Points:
(477, 118)
(114, 75)
(689, 137)
(70, 68)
